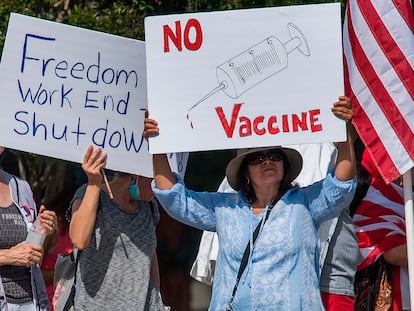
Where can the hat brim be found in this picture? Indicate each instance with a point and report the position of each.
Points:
(292, 155)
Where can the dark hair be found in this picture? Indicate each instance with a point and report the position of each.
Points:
(247, 188)
(111, 174)
(363, 182)
(2, 155)
(121, 174)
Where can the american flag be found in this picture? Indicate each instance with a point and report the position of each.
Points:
(379, 56)
(379, 223)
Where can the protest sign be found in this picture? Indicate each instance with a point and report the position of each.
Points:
(245, 78)
(64, 88)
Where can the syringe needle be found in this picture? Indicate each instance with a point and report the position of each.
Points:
(220, 87)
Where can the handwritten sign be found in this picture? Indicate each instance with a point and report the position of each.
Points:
(64, 88)
(245, 78)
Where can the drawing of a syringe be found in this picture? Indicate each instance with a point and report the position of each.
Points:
(254, 65)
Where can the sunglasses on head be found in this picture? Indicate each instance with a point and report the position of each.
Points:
(274, 155)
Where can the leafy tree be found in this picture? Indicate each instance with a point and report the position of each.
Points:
(54, 180)
(123, 18)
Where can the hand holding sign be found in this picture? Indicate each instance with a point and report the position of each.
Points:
(270, 94)
(57, 101)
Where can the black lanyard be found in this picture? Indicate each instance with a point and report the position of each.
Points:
(246, 254)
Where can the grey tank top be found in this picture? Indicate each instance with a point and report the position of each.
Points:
(114, 269)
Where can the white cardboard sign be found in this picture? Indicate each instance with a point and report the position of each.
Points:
(64, 88)
(245, 78)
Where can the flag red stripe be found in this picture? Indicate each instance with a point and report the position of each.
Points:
(405, 9)
(369, 136)
(373, 256)
(396, 285)
(366, 223)
(378, 98)
(389, 47)
(376, 237)
(367, 207)
(388, 191)
(379, 220)
(378, 90)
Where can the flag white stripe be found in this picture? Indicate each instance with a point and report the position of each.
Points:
(375, 196)
(395, 219)
(382, 225)
(366, 251)
(377, 118)
(389, 14)
(359, 217)
(383, 68)
(394, 147)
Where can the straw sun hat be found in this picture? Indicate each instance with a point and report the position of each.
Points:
(293, 156)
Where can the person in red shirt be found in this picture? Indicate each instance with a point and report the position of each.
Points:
(58, 243)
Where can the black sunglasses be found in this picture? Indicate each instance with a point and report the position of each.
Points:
(274, 155)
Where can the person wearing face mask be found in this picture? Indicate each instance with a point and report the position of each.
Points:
(115, 229)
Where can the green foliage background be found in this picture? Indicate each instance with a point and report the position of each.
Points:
(53, 181)
(124, 18)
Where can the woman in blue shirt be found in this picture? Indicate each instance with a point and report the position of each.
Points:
(281, 271)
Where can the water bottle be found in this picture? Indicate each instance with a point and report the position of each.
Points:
(36, 233)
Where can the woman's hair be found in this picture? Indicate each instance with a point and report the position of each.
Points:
(247, 187)
(111, 174)
(363, 182)
(121, 174)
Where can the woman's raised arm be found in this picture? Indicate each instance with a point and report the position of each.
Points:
(163, 176)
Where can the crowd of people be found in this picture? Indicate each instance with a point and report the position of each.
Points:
(290, 228)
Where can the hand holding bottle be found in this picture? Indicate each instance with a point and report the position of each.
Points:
(45, 224)
(23, 254)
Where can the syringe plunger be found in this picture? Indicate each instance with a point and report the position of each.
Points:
(249, 68)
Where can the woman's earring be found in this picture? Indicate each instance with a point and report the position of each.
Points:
(248, 180)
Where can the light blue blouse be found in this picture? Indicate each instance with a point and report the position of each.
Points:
(283, 272)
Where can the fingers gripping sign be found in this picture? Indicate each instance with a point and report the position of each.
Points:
(93, 162)
(150, 126)
(343, 108)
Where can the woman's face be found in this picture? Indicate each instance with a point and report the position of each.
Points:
(265, 168)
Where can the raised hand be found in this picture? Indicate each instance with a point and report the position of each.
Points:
(93, 162)
(150, 126)
(343, 108)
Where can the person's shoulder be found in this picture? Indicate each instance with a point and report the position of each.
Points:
(232, 198)
(154, 209)
(22, 184)
(80, 192)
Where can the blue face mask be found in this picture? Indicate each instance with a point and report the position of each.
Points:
(134, 192)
